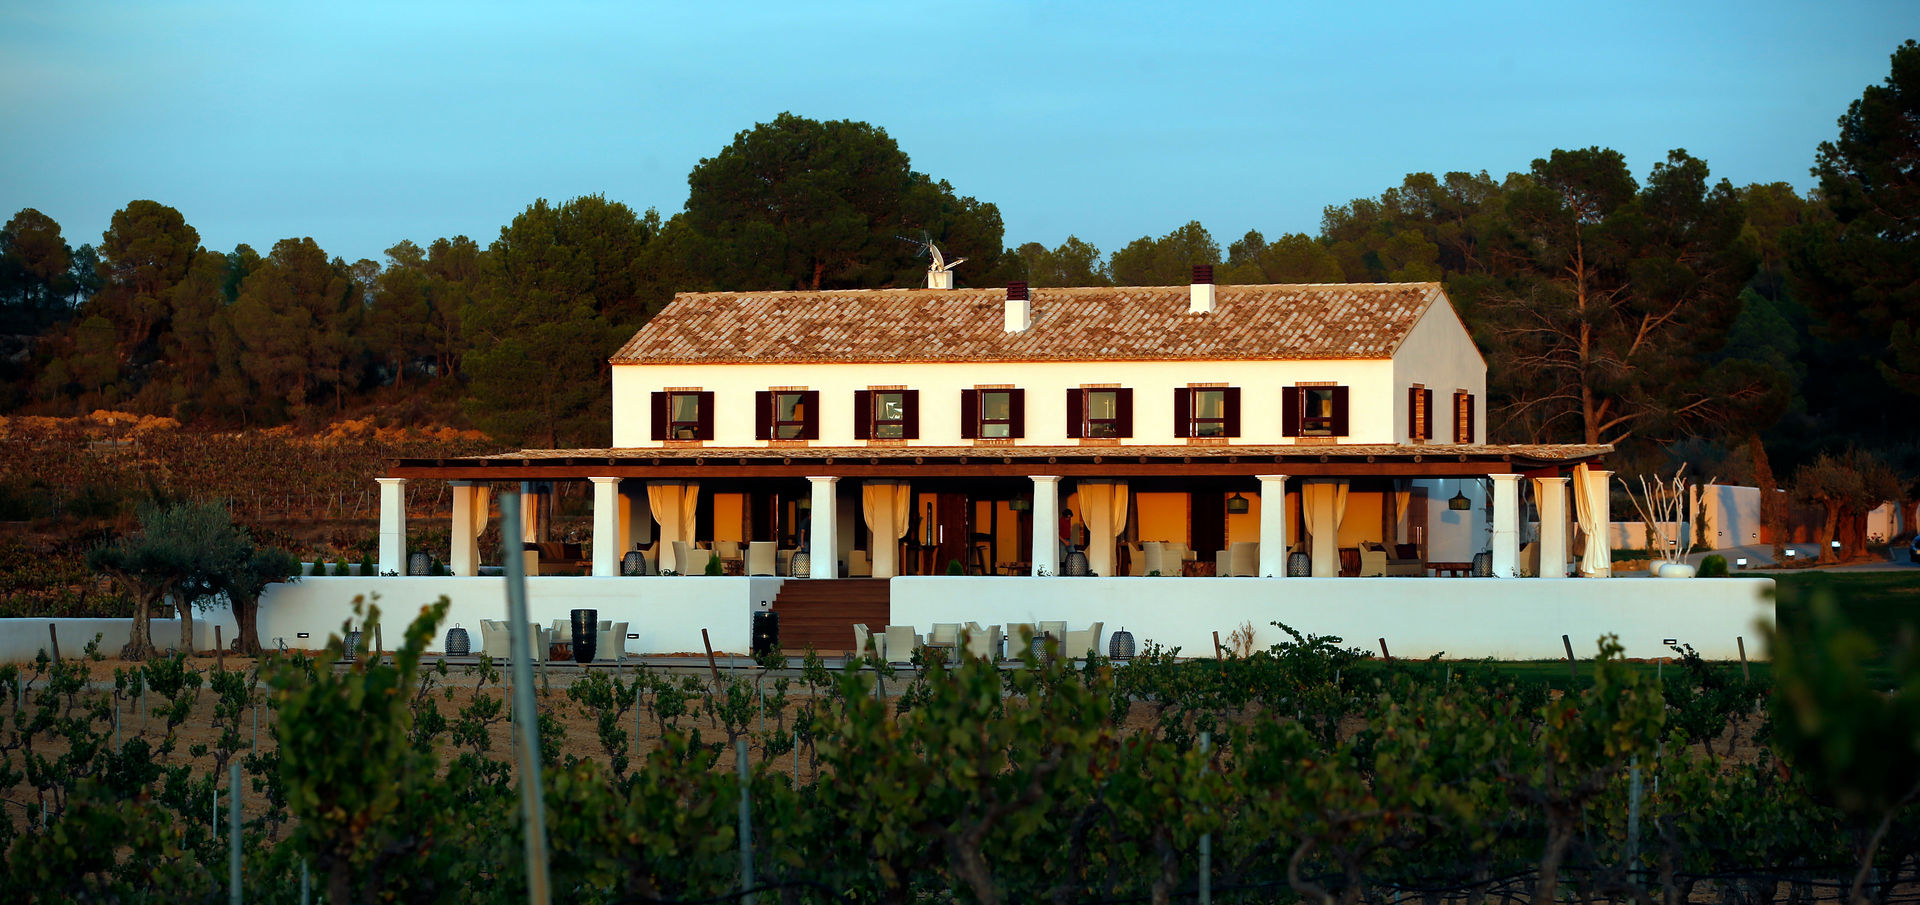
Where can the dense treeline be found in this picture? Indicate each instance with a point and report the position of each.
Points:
(1750, 327)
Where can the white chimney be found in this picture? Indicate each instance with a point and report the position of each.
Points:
(1201, 299)
(939, 279)
(1019, 308)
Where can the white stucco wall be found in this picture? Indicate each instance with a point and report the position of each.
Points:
(1732, 514)
(1373, 396)
(1466, 618)
(666, 612)
(1439, 354)
(21, 640)
(1456, 536)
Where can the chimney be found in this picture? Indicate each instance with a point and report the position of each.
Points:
(1019, 308)
(1201, 299)
(939, 279)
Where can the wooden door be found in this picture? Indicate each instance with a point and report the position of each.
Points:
(951, 531)
(1207, 529)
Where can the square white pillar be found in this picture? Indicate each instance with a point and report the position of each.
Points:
(393, 525)
(1598, 562)
(1506, 525)
(1273, 525)
(606, 526)
(464, 557)
(1551, 494)
(823, 542)
(1046, 524)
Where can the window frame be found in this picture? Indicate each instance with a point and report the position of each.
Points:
(799, 427)
(665, 427)
(1088, 422)
(986, 424)
(1294, 418)
(876, 425)
(676, 425)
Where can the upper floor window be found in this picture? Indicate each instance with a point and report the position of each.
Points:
(1419, 413)
(993, 414)
(1314, 411)
(886, 414)
(683, 415)
(1206, 411)
(1100, 412)
(1462, 417)
(787, 415)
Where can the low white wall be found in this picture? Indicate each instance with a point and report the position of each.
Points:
(1732, 514)
(1633, 535)
(1467, 618)
(667, 612)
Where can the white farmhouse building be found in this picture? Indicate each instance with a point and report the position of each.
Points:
(1200, 430)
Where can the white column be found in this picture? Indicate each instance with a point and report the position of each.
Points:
(1506, 525)
(1273, 525)
(393, 525)
(606, 526)
(823, 544)
(1600, 494)
(465, 554)
(1551, 494)
(1046, 524)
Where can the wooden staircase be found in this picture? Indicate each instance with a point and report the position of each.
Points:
(822, 612)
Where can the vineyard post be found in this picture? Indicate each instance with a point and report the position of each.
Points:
(1633, 815)
(306, 884)
(233, 833)
(1383, 651)
(219, 650)
(711, 665)
(796, 758)
(256, 728)
(533, 811)
(1216, 646)
(213, 810)
(53, 635)
(746, 821)
(1206, 839)
(636, 714)
(1573, 667)
(116, 721)
(1745, 673)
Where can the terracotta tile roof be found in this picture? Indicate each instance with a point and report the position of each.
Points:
(1127, 323)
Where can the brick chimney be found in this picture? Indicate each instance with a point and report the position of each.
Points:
(1200, 301)
(1019, 308)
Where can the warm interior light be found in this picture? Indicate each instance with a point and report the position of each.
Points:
(1459, 503)
(1836, 545)
(1741, 562)
(1020, 504)
(1237, 504)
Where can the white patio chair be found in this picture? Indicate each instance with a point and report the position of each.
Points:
(1136, 560)
(864, 638)
(945, 633)
(982, 643)
(1222, 563)
(1373, 562)
(1154, 559)
(727, 550)
(696, 561)
(1019, 635)
(760, 558)
(610, 642)
(1244, 557)
(901, 642)
(682, 554)
(1083, 644)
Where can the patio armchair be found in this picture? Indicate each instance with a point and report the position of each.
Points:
(1136, 560)
(1158, 559)
(1529, 564)
(727, 550)
(1373, 560)
(1405, 560)
(1244, 558)
(1079, 645)
(689, 559)
(982, 643)
(865, 642)
(858, 565)
(1057, 629)
(760, 558)
(944, 633)
(610, 641)
(901, 642)
(496, 640)
(1019, 635)
(1222, 562)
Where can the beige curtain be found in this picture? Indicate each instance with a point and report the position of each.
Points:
(1326, 508)
(902, 509)
(1402, 520)
(1596, 560)
(664, 501)
(529, 517)
(1104, 512)
(689, 508)
(480, 497)
(886, 506)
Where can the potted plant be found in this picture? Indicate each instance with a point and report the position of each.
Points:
(1662, 506)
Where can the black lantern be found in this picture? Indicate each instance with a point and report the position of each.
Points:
(1020, 504)
(1237, 504)
(1459, 503)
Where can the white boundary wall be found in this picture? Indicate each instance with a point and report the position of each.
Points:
(667, 612)
(21, 640)
(1467, 618)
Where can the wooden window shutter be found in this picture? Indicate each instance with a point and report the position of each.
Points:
(1464, 423)
(706, 416)
(1076, 413)
(1413, 413)
(1233, 411)
(862, 414)
(1124, 398)
(910, 414)
(1290, 411)
(1339, 411)
(1017, 410)
(969, 414)
(1426, 414)
(762, 415)
(1182, 412)
(810, 400)
(659, 416)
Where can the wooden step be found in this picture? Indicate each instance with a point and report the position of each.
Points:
(822, 613)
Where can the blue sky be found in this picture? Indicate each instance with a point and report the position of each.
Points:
(361, 124)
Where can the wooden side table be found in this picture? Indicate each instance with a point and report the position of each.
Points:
(1451, 569)
(1197, 568)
